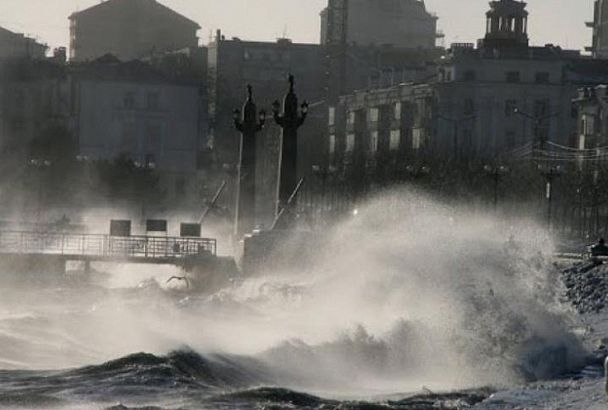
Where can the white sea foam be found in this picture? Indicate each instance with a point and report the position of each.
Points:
(408, 293)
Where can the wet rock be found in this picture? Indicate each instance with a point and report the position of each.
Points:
(586, 287)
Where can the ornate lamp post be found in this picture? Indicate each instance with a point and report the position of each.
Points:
(290, 121)
(249, 123)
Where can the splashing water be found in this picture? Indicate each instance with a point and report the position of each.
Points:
(408, 293)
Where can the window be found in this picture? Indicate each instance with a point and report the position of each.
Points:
(581, 142)
(398, 108)
(332, 144)
(350, 143)
(469, 75)
(332, 116)
(417, 137)
(513, 76)
(441, 74)
(394, 140)
(350, 120)
(542, 77)
(152, 100)
(588, 125)
(373, 142)
(128, 100)
(469, 107)
(373, 115)
(510, 107)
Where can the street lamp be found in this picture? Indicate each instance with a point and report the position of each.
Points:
(496, 172)
(550, 173)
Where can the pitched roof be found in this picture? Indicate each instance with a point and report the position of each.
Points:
(137, 3)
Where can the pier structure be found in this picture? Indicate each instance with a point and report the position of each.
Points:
(23, 251)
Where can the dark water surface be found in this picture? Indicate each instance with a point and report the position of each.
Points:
(186, 380)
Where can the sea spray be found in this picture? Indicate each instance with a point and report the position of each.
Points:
(413, 292)
(410, 292)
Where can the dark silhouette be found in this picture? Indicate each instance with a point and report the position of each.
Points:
(600, 249)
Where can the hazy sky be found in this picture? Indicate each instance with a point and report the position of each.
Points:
(551, 21)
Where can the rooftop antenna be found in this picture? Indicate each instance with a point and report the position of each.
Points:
(285, 31)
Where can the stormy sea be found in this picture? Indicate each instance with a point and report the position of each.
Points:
(408, 304)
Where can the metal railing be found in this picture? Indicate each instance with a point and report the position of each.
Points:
(104, 246)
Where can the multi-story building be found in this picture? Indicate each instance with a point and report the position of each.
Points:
(129, 29)
(599, 46)
(32, 97)
(14, 45)
(484, 103)
(504, 93)
(592, 109)
(398, 23)
(136, 110)
(375, 44)
(374, 136)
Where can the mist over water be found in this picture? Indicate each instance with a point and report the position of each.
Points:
(408, 293)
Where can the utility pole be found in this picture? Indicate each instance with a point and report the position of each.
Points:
(537, 121)
(550, 173)
(290, 121)
(249, 123)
